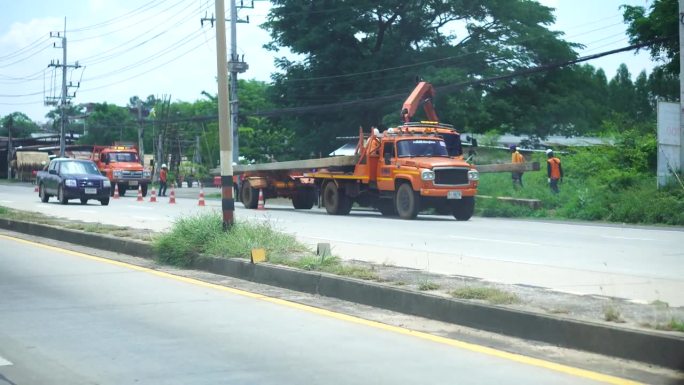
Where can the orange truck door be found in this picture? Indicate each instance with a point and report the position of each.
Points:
(385, 165)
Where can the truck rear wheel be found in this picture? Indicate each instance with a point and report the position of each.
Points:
(407, 201)
(335, 201)
(249, 196)
(464, 208)
(304, 198)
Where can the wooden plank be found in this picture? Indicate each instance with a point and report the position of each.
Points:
(508, 167)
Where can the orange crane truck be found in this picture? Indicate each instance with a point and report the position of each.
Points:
(121, 164)
(400, 171)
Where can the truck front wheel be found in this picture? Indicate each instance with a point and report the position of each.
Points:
(335, 201)
(43, 196)
(249, 196)
(60, 196)
(144, 190)
(464, 208)
(407, 202)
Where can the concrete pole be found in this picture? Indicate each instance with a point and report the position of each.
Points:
(62, 140)
(225, 134)
(141, 144)
(234, 82)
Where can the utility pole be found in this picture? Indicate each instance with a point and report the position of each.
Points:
(228, 129)
(225, 137)
(141, 131)
(64, 98)
(10, 123)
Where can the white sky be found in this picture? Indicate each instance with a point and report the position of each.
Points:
(133, 47)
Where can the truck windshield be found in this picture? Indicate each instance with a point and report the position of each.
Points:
(123, 157)
(79, 168)
(421, 147)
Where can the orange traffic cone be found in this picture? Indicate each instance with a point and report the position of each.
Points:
(201, 198)
(116, 191)
(260, 204)
(153, 197)
(172, 196)
(140, 198)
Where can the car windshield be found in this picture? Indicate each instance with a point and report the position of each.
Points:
(123, 157)
(79, 168)
(421, 147)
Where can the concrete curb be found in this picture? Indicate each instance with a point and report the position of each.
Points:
(656, 348)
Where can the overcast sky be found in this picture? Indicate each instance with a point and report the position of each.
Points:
(133, 47)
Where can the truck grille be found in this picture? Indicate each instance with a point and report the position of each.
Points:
(89, 183)
(131, 174)
(451, 176)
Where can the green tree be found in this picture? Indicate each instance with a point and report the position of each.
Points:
(22, 125)
(364, 49)
(660, 22)
(109, 123)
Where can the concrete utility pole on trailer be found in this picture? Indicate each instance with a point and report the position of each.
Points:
(225, 132)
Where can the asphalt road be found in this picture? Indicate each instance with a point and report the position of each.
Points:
(638, 263)
(70, 318)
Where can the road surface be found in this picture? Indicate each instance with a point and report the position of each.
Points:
(638, 263)
(71, 318)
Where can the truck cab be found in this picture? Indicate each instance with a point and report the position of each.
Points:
(121, 164)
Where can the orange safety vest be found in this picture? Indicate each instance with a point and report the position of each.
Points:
(517, 157)
(555, 167)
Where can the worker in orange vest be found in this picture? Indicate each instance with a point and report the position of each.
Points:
(516, 157)
(554, 170)
(163, 173)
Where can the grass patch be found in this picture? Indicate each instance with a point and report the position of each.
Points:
(612, 314)
(331, 264)
(203, 234)
(672, 326)
(660, 304)
(489, 294)
(427, 285)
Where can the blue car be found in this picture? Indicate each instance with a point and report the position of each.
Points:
(68, 178)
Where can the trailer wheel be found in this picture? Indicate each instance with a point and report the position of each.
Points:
(407, 201)
(249, 196)
(335, 201)
(464, 208)
(304, 198)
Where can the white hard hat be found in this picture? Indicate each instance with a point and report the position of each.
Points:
(163, 165)
(549, 151)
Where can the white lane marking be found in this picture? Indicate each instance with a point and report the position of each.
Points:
(494, 240)
(3, 201)
(628, 238)
(4, 362)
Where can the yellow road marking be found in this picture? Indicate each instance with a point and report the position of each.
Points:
(344, 317)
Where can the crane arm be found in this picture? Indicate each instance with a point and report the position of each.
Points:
(422, 94)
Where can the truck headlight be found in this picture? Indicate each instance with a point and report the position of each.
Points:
(70, 183)
(106, 183)
(427, 175)
(147, 174)
(473, 175)
(117, 174)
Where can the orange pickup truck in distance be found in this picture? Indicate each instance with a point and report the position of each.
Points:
(121, 164)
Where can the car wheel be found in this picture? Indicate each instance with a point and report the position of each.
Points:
(84, 201)
(60, 196)
(104, 201)
(41, 192)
